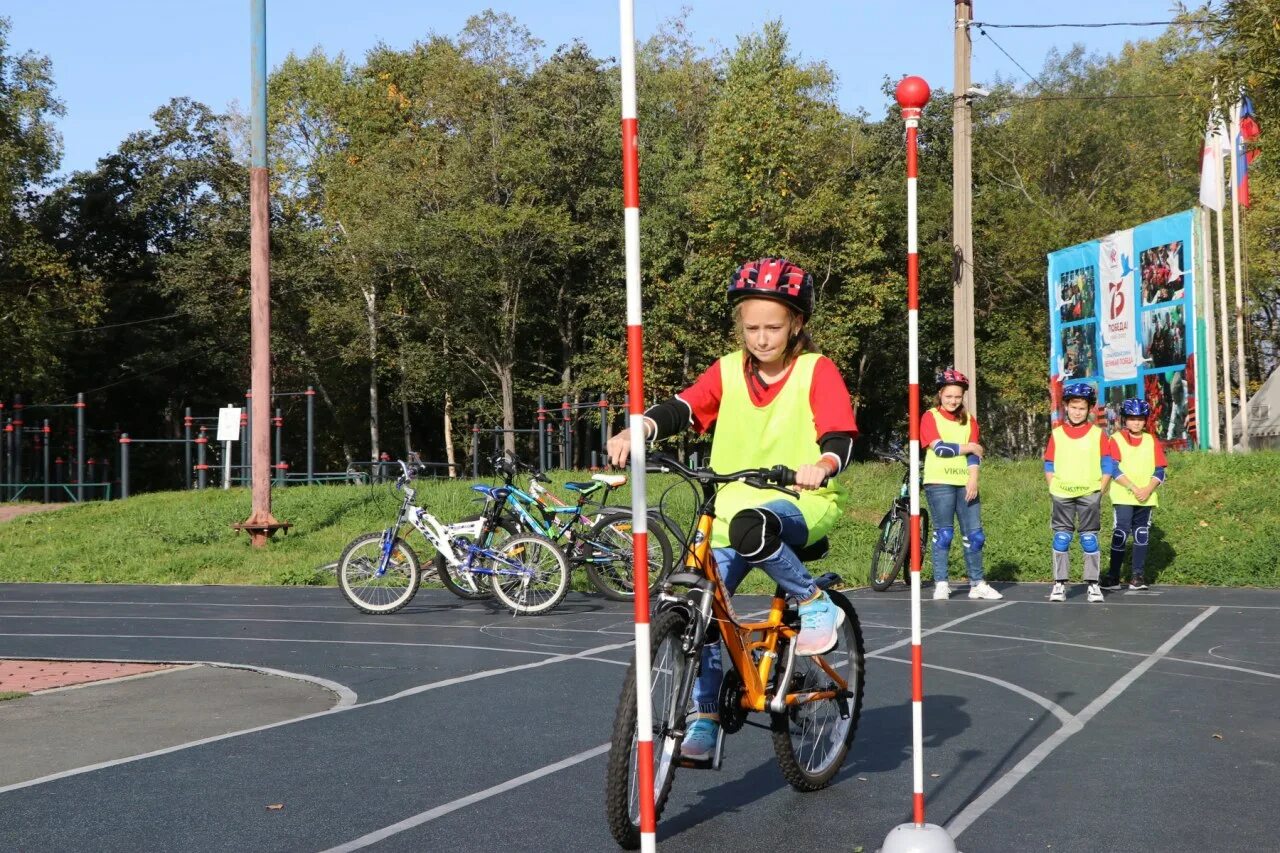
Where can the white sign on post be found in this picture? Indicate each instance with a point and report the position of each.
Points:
(228, 431)
(229, 424)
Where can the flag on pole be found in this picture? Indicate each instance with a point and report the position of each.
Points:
(1248, 131)
(1212, 194)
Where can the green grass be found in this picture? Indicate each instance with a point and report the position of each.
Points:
(5, 695)
(1218, 523)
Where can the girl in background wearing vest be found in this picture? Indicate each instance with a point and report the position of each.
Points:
(953, 454)
(1077, 468)
(774, 402)
(1138, 459)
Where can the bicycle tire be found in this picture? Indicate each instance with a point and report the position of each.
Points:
(889, 554)
(357, 570)
(543, 568)
(849, 657)
(616, 579)
(672, 680)
(450, 576)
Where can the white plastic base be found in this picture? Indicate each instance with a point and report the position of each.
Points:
(918, 838)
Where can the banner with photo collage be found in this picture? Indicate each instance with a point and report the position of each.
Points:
(1122, 317)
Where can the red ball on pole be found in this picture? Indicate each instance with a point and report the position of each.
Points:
(912, 93)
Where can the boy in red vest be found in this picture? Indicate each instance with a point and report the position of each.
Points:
(1077, 468)
(1139, 470)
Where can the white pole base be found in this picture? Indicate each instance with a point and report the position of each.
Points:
(918, 838)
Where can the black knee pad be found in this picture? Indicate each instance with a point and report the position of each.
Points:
(756, 534)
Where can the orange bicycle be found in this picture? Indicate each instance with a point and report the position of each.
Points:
(813, 702)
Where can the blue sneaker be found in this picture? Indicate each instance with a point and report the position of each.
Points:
(820, 622)
(700, 741)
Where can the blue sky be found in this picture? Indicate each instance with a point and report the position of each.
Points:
(116, 62)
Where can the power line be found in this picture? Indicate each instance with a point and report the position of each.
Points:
(1184, 23)
(983, 32)
(1099, 97)
(120, 325)
(140, 374)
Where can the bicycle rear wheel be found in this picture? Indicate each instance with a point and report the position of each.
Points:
(531, 575)
(467, 585)
(366, 589)
(811, 740)
(672, 674)
(890, 552)
(610, 539)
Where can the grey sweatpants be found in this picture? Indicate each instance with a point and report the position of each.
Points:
(1082, 514)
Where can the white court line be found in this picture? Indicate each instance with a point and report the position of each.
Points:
(1005, 783)
(944, 626)
(1040, 641)
(288, 640)
(412, 691)
(1063, 715)
(484, 629)
(439, 811)
(175, 603)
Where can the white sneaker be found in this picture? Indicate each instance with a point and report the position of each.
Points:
(941, 591)
(1095, 593)
(984, 590)
(1059, 592)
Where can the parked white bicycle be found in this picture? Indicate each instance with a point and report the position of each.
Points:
(379, 573)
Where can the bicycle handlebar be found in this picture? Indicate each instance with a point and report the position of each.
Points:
(779, 477)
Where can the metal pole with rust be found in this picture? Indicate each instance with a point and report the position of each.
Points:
(261, 524)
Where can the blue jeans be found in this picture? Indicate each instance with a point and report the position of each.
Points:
(784, 568)
(947, 503)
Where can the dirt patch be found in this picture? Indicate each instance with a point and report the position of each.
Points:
(11, 511)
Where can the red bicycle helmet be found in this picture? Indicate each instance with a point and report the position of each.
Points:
(773, 278)
(951, 376)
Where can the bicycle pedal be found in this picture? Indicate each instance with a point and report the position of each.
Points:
(696, 763)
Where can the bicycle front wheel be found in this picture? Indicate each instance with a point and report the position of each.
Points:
(811, 740)
(372, 588)
(530, 574)
(890, 552)
(672, 673)
(611, 559)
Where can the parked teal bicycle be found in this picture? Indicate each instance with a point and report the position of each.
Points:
(592, 534)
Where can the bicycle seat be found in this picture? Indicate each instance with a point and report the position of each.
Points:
(816, 551)
(610, 480)
(585, 488)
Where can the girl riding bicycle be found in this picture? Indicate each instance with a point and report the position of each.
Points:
(774, 402)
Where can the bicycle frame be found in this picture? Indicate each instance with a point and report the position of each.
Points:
(752, 646)
(441, 536)
(568, 515)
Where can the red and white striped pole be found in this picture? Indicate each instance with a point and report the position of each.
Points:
(635, 420)
(912, 94)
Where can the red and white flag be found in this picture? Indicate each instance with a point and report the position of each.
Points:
(1212, 177)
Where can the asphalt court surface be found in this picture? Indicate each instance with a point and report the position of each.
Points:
(1149, 722)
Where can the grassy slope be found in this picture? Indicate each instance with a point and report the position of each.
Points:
(1219, 523)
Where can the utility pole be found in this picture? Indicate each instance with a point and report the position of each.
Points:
(962, 207)
(261, 524)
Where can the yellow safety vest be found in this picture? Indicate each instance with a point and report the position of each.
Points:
(1139, 465)
(781, 433)
(953, 471)
(1077, 463)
